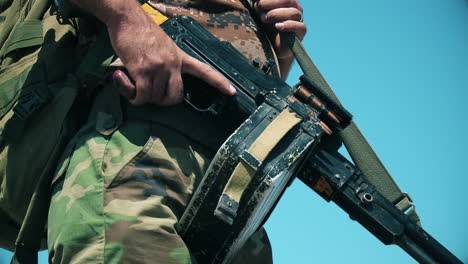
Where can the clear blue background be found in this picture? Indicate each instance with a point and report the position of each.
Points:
(401, 67)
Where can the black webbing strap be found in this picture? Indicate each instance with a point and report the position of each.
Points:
(359, 149)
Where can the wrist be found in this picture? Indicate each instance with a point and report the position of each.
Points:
(120, 13)
(111, 12)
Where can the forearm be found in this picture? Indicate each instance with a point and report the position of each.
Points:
(153, 61)
(113, 13)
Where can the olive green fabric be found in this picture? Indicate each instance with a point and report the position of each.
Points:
(4, 4)
(27, 34)
(33, 43)
(11, 16)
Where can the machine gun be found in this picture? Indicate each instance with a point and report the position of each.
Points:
(288, 132)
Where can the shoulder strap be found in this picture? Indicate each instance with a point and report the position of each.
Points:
(359, 149)
(29, 238)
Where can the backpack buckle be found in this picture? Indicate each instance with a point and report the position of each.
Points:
(29, 102)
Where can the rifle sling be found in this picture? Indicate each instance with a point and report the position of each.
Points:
(359, 149)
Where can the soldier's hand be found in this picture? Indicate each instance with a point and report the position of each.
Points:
(281, 16)
(153, 61)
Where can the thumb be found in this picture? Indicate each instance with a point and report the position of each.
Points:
(203, 71)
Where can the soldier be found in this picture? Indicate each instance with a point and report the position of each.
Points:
(128, 174)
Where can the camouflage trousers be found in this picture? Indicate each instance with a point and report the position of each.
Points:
(116, 198)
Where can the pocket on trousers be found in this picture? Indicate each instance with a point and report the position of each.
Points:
(168, 166)
(125, 147)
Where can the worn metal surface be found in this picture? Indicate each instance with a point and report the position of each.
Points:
(259, 99)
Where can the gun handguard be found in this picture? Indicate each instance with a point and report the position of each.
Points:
(324, 170)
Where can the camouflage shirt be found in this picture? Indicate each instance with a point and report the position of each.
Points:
(228, 20)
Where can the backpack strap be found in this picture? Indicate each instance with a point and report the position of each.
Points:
(359, 149)
(28, 242)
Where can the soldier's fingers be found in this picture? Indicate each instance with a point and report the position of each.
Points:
(201, 70)
(159, 87)
(292, 26)
(282, 14)
(143, 91)
(124, 84)
(174, 91)
(264, 6)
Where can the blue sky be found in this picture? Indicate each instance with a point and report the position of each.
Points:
(401, 68)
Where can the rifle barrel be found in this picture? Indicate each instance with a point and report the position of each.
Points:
(336, 179)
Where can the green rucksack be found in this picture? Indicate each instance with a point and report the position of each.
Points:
(34, 104)
(39, 86)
